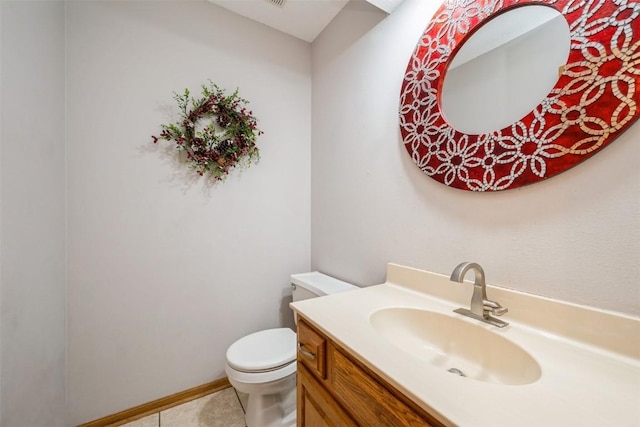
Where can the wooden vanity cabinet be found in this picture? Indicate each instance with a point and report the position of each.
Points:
(335, 390)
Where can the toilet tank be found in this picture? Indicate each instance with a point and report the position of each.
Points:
(316, 284)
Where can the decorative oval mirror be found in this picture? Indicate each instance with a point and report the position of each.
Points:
(562, 110)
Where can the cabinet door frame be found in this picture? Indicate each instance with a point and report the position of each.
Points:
(316, 406)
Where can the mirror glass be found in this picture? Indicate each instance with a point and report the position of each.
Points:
(505, 69)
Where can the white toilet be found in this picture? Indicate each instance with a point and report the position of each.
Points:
(263, 364)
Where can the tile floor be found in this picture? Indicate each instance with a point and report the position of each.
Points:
(221, 409)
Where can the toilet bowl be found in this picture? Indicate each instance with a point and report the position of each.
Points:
(263, 364)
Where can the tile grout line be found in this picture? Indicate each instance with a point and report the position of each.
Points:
(241, 405)
(239, 400)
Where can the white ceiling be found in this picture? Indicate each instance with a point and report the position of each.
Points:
(304, 19)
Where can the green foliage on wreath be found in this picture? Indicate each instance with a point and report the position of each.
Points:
(216, 131)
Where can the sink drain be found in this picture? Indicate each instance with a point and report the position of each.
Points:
(456, 371)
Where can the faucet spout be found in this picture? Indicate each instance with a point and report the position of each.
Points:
(481, 307)
(479, 286)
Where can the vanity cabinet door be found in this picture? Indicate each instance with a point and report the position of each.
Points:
(316, 407)
(369, 401)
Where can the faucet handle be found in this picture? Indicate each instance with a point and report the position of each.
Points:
(494, 307)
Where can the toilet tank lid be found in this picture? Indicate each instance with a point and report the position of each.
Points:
(320, 284)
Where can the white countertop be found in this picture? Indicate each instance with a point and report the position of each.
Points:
(590, 374)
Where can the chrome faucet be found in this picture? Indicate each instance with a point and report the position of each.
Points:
(481, 307)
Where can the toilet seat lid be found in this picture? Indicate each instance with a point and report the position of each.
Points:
(263, 350)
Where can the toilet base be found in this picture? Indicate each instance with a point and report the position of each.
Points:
(272, 410)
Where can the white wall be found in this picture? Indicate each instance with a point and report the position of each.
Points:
(164, 272)
(1, 49)
(32, 261)
(575, 237)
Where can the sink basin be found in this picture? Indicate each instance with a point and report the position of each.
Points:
(457, 345)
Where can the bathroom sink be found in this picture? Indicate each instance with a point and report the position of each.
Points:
(456, 345)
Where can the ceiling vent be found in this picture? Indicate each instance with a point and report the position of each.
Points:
(279, 3)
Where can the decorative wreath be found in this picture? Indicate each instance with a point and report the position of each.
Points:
(216, 132)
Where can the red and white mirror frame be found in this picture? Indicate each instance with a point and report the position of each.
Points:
(595, 99)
